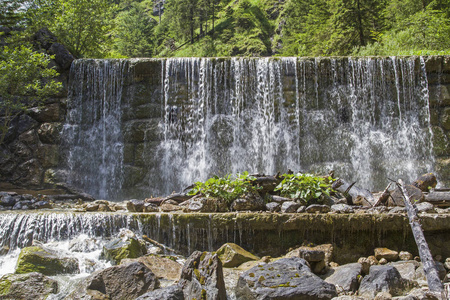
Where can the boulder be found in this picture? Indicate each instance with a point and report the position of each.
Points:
(202, 277)
(135, 205)
(252, 202)
(168, 207)
(27, 286)
(382, 279)
(346, 277)
(62, 56)
(150, 207)
(405, 255)
(414, 193)
(49, 133)
(407, 269)
(366, 263)
(45, 261)
(162, 267)
(204, 204)
(290, 207)
(233, 255)
(286, 278)
(173, 292)
(122, 282)
(313, 254)
(8, 200)
(389, 255)
(126, 246)
(425, 182)
(273, 206)
(318, 208)
(342, 208)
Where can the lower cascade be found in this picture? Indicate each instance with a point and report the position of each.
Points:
(143, 127)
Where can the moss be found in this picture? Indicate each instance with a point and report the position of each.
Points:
(5, 285)
(251, 274)
(197, 274)
(261, 278)
(203, 294)
(37, 259)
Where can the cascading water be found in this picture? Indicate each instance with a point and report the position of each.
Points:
(366, 118)
(92, 136)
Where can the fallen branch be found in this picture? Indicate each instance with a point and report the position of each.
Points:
(429, 267)
(151, 241)
(384, 196)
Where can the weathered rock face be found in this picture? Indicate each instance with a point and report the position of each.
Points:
(27, 286)
(382, 279)
(287, 278)
(123, 282)
(233, 255)
(202, 277)
(346, 277)
(45, 261)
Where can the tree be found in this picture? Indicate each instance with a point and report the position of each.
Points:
(134, 32)
(10, 12)
(356, 23)
(25, 81)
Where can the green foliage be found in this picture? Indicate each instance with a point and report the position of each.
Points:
(83, 26)
(306, 187)
(226, 188)
(25, 80)
(134, 32)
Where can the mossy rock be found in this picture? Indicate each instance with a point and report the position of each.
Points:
(45, 261)
(27, 286)
(119, 249)
(233, 255)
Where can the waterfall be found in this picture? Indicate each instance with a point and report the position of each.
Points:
(365, 118)
(92, 137)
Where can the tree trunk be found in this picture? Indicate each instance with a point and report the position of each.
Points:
(429, 267)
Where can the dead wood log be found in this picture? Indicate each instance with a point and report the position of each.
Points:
(164, 247)
(384, 196)
(353, 191)
(434, 283)
(438, 198)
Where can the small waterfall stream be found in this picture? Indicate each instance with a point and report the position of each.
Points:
(366, 118)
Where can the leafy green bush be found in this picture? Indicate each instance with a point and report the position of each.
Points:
(306, 187)
(226, 188)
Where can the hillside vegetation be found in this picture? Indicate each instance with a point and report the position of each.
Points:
(127, 28)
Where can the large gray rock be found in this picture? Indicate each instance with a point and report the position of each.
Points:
(123, 282)
(407, 269)
(290, 207)
(287, 278)
(173, 292)
(346, 277)
(382, 279)
(27, 286)
(202, 277)
(45, 261)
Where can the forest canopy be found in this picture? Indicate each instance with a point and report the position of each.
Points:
(162, 28)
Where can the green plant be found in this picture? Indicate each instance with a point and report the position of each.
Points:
(306, 187)
(226, 188)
